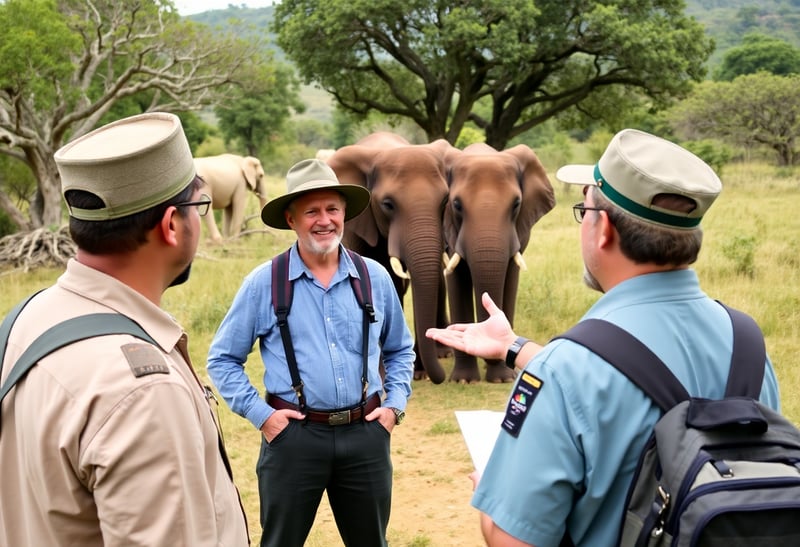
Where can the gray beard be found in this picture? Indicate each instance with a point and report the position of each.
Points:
(590, 281)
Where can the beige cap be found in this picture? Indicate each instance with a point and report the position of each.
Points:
(132, 164)
(636, 167)
(308, 176)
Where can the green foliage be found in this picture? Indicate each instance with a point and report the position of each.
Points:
(758, 52)
(432, 61)
(36, 48)
(741, 249)
(469, 135)
(753, 110)
(259, 109)
(711, 151)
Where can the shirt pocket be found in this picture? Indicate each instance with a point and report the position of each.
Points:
(355, 318)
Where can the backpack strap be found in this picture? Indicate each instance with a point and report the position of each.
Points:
(362, 286)
(631, 357)
(645, 369)
(749, 356)
(363, 289)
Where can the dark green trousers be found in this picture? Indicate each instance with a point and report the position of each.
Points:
(351, 463)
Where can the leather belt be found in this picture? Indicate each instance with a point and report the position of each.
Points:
(331, 417)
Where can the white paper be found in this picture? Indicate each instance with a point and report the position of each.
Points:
(480, 429)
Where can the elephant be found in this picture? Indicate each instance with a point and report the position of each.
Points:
(495, 198)
(227, 178)
(402, 228)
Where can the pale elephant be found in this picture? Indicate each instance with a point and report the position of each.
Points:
(228, 180)
(495, 198)
(402, 228)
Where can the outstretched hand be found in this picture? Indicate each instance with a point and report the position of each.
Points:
(488, 339)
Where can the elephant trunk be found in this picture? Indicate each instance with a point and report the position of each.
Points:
(423, 260)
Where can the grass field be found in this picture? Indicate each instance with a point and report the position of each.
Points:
(750, 260)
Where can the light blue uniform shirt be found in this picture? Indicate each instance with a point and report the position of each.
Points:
(582, 435)
(326, 329)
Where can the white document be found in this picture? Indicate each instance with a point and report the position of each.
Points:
(480, 429)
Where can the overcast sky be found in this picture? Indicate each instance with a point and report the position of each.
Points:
(188, 7)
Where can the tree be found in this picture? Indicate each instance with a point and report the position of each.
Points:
(759, 52)
(64, 65)
(754, 109)
(260, 107)
(433, 61)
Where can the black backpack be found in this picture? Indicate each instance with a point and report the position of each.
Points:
(714, 473)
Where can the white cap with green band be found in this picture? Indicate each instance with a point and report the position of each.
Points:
(636, 167)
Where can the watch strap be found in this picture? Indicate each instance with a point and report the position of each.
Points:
(514, 349)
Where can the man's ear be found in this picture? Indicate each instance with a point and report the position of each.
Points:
(168, 227)
(608, 233)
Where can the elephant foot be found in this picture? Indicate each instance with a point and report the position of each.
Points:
(465, 374)
(420, 375)
(498, 373)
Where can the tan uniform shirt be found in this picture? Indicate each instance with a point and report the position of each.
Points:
(96, 449)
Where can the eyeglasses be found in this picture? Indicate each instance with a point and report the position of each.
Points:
(202, 204)
(579, 210)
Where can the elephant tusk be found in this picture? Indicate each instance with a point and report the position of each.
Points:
(520, 261)
(452, 263)
(445, 259)
(397, 268)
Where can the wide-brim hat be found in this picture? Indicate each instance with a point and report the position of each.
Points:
(637, 166)
(309, 176)
(132, 164)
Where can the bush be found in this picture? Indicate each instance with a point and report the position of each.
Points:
(714, 153)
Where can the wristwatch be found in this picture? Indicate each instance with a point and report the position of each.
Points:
(399, 415)
(514, 350)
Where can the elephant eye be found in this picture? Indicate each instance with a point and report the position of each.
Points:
(388, 206)
(516, 206)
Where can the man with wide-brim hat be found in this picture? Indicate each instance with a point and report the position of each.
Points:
(308, 176)
(326, 399)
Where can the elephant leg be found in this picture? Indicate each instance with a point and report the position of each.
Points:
(497, 371)
(235, 220)
(462, 310)
(442, 320)
(211, 227)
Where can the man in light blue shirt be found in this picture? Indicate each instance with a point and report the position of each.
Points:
(328, 428)
(575, 426)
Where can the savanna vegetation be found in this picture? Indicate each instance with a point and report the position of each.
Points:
(750, 259)
(58, 80)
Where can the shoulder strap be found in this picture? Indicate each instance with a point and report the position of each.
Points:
(5, 327)
(362, 286)
(282, 303)
(66, 333)
(645, 369)
(749, 356)
(631, 357)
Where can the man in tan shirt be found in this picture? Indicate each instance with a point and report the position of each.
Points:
(113, 440)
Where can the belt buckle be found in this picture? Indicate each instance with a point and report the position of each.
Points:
(339, 418)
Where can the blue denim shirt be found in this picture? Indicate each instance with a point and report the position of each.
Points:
(326, 329)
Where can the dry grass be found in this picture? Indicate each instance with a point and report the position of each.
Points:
(755, 218)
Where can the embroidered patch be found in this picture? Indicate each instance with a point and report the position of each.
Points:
(144, 359)
(520, 402)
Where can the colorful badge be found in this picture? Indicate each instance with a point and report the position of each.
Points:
(520, 402)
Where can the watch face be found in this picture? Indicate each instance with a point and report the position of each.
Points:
(399, 416)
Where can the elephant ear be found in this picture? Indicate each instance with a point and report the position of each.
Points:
(250, 167)
(538, 197)
(352, 165)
